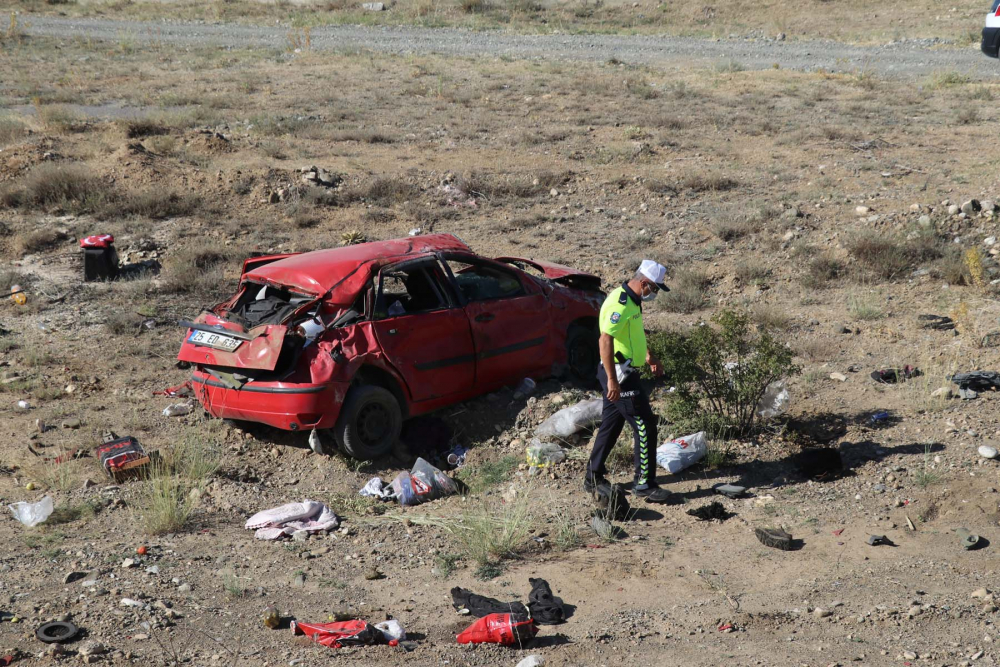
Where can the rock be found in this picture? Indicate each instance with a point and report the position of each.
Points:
(72, 422)
(129, 602)
(990, 240)
(74, 576)
(273, 197)
(839, 377)
(300, 535)
(979, 593)
(987, 452)
(822, 613)
(879, 488)
(915, 611)
(791, 213)
(789, 235)
(373, 574)
(373, 6)
(92, 648)
(924, 221)
(299, 581)
(841, 329)
(971, 207)
(909, 655)
(553, 192)
(954, 209)
(153, 569)
(184, 588)
(128, 562)
(861, 211)
(976, 656)
(942, 392)
(532, 661)
(915, 208)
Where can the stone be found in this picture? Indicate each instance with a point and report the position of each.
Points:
(72, 423)
(184, 588)
(374, 574)
(273, 198)
(976, 656)
(129, 602)
(74, 576)
(791, 213)
(822, 613)
(909, 655)
(924, 221)
(128, 562)
(299, 581)
(789, 235)
(553, 192)
(92, 648)
(971, 207)
(841, 329)
(153, 569)
(954, 209)
(990, 240)
(532, 661)
(839, 377)
(987, 452)
(300, 535)
(861, 211)
(942, 392)
(373, 6)
(979, 593)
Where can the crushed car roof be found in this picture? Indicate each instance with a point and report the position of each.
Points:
(346, 270)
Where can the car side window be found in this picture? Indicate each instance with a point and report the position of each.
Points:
(482, 282)
(406, 291)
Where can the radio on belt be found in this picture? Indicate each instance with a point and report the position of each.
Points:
(100, 261)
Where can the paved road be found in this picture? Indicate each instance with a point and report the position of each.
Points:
(907, 59)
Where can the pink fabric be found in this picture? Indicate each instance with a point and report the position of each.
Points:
(308, 515)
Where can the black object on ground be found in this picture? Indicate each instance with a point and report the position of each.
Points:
(939, 322)
(969, 540)
(713, 510)
(546, 609)
(480, 605)
(876, 540)
(975, 381)
(428, 437)
(56, 632)
(611, 501)
(774, 537)
(895, 375)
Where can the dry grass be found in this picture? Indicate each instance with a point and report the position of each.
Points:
(492, 531)
(687, 292)
(821, 271)
(493, 186)
(36, 241)
(199, 270)
(165, 503)
(865, 307)
(52, 185)
(708, 181)
(752, 272)
(880, 256)
(12, 130)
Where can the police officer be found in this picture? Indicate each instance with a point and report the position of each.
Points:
(623, 352)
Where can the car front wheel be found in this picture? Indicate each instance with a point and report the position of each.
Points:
(369, 422)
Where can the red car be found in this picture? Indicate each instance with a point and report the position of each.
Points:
(359, 338)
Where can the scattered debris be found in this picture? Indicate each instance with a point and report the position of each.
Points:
(177, 409)
(544, 454)
(422, 484)
(774, 401)
(681, 453)
(774, 537)
(969, 384)
(910, 523)
(32, 514)
(376, 488)
(612, 502)
(340, 634)
(392, 630)
(546, 608)
(309, 515)
(271, 618)
(712, 511)
(895, 375)
(876, 540)
(504, 629)
(532, 661)
(56, 632)
(122, 458)
(373, 6)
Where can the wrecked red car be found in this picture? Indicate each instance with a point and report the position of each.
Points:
(360, 338)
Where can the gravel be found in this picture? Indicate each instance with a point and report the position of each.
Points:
(903, 58)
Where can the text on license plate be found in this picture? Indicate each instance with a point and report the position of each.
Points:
(218, 341)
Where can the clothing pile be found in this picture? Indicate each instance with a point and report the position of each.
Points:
(543, 607)
(309, 516)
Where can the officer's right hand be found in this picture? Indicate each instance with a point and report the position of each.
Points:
(614, 391)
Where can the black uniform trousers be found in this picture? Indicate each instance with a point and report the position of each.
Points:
(632, 407)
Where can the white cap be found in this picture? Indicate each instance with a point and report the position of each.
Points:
(655, 272)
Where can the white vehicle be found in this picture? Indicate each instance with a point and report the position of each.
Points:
(991, 33)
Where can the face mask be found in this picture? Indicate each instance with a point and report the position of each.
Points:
(650, 296)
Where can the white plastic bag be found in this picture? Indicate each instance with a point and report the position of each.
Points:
(544, 454)
(569, 420)
(177, 409)
(682, 453)
(392, 629)
(32, 514)
(774, 401)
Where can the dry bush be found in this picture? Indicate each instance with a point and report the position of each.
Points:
(152, 203)
(768, 316)
(493, 531)
(364, 136)
(198, 269)
(498, 186)
(708, 181)
(731, 228)
(752, 272)
(51, 184)
(821, 271)
(10, 277)
(59, 118)
(122, 323)
(687, 292)
(11, 130)
(36, 241)
(865, 307)
(136, 128)
(883, 256)
(382, 190)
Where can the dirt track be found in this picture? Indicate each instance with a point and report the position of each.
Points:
(910, 58)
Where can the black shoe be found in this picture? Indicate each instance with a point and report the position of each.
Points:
(591, 482)
(652, 493)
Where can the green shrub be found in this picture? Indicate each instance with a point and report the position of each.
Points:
(721, 370)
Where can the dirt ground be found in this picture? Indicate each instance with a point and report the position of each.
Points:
(763, 191)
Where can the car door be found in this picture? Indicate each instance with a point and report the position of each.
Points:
(423, 331)
(509, 317)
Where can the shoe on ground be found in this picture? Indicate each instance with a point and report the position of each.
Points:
(652, 493)
(591, 482)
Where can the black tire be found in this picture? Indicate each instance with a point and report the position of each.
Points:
(369, 422)
(582, 354)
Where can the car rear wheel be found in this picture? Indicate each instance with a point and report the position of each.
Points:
(369, 422)
(582, 355)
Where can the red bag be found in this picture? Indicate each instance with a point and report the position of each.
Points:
(503, 629)
(339, 635)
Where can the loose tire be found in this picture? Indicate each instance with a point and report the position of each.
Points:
(582, 355)
(369, 422)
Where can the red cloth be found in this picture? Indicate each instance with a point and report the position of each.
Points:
(97, 241)
(338, 635)
(503, 629)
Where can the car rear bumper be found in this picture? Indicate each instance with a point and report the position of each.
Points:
(991, 41)
(287, 406)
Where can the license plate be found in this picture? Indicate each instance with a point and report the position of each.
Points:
(217, 341)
